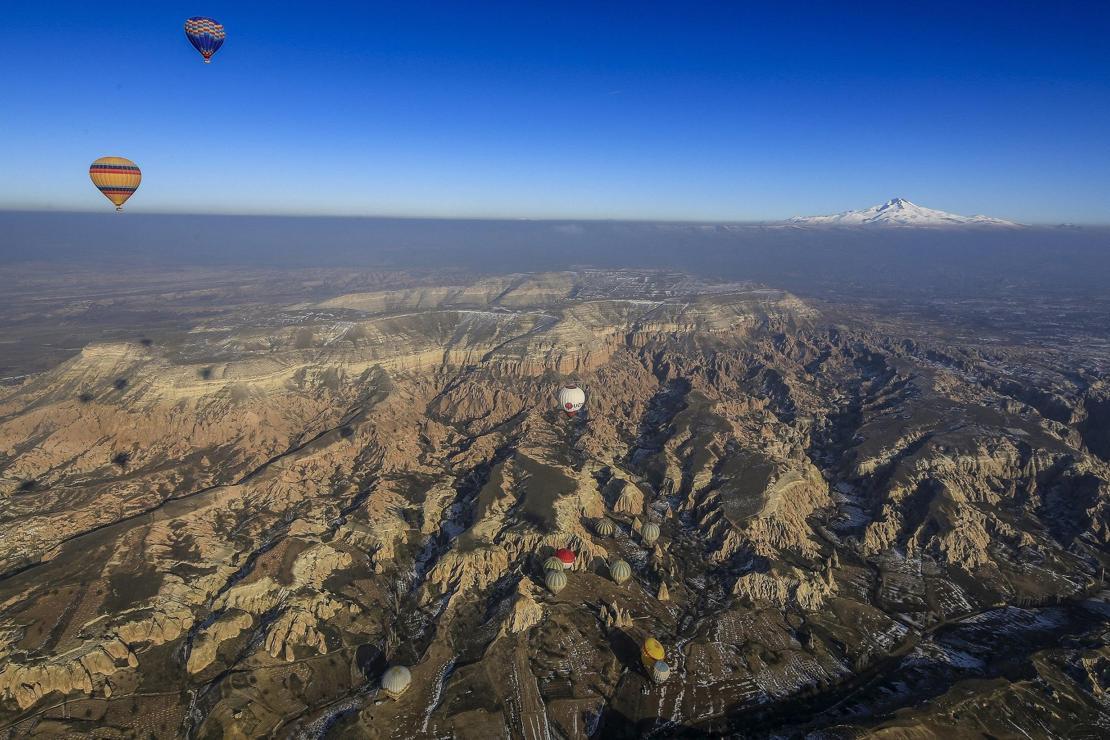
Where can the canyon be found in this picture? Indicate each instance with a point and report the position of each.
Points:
(232, 529)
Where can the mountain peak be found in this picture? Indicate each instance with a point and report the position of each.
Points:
(899, 212)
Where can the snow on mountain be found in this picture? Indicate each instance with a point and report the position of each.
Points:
(899, 212)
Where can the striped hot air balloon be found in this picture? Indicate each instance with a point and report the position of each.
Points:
(556, 581)
(620, 570)
(117, 178)
(206, 35)
(660, 672)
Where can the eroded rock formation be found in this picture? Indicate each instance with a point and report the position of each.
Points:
(377, 482)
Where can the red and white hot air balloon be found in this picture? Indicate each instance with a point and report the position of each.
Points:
(571, 399)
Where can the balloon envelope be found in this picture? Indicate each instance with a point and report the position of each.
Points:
(571, 398)
(206, 36)
(652, 652)
(661, 671)
(556, 581)
(117, 178)
(621, 571)
(396, 680)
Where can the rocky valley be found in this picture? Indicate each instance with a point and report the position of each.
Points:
(231, 524)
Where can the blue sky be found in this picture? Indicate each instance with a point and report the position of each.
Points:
(684, 110)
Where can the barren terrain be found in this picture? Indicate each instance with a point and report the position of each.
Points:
(229, 500)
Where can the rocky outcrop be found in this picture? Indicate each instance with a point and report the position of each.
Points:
(614, 617)
(469, 571)
(318, 563)
(767, 514)
(792, 588)
(626, 496)
(164, 623)
(300, 625)
(526, 611)
(944, 493)
(205, 646)
(257, 597)
(82, 672)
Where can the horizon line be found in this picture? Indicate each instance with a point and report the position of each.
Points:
(535, 219)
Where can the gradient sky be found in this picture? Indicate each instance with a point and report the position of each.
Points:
(682, 110)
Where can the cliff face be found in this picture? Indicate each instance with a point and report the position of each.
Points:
(307, 503)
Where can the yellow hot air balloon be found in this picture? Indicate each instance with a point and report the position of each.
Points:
(652, 652)
(117, 178)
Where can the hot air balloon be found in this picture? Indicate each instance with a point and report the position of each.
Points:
(651, 653)
(605, 528)
(620, 571)
(571, 399)
(556, 581)
(206, 36)
(553, 563)
(660, 672)
(117, 178)
(565, 555)
(396, 680)
(650, 533)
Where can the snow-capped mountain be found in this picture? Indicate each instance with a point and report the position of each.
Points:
(899, 212)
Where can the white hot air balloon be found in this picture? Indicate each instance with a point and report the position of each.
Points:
(571, 399)
(396, 681)
(553, 563)
(605, 528)
(650, 533)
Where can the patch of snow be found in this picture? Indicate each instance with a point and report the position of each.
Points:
(437, 694)
(899, 212)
